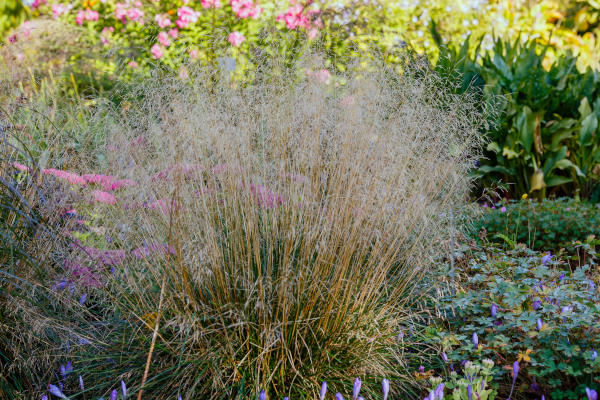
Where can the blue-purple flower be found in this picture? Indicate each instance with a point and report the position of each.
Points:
(124, 390)
(439, 391)
(494, 310)
(338, 396)
(539, 324)
(515, 370)
(546, 258)
(56, 392)
(594, 355)
(591, 394)
(81, 383)
(385, 388)
(356, 388)
(114, 394)
(475, 340)
(444, 356)
(323, 390)
(262, 395)
(469, 392)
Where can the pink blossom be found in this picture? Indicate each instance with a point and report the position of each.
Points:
(107, 257)
(265, 197)
(104, 197)
(173, 33)
(157, 51)
(162, 20)
(163, 38)
(245, 9)
(186, 16)
(21, 167)
(80, 17)
(91, 15)
(132, 64)
(312, 33)
(70, 177)
(321, 76)
(193, 53)
(211, 3)
(121, 12)
(136, 15)
(60, 9)
(236, 38)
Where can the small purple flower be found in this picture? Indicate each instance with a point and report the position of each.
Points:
(385, 388)
(543, 397)
(515, 370)
(439, 391)
(469, 392)
(44, 397)
(338, 396)
(82, 299)
(400, 336)
(502, 209)
(539, 324)
(566, 309)
(56, 392)
(475, 340)
(546, 258)
(286, 398)
(114, 394)
(591, 394)
(356, 388)
(323, 390)
(594, 355)
(444, 356)
(124, 390)
(262, 395)
(63, 371)
(536, 304)
(81, 383)
(421, 369)
(494, 310)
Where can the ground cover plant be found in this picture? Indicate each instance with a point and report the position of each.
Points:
(254, 237)
(526, 307)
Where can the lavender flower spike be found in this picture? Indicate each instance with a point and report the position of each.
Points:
(114, 394)
(56, 392)
(356, 388)
(515, 370)
(385, 388)
(469, 392)
(124, 390)
(81, 383)
(475, 340)
(323, 390)
(539, 324)
(262, 395)
(444, 356)
(546, 258)
(591, 394)
(338, 396)
(45, 397)
(494, 310)
(439, 391)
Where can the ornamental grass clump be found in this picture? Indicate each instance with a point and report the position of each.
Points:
(283, 226)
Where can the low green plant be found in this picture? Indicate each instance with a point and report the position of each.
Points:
(547, 225)
(529, 307)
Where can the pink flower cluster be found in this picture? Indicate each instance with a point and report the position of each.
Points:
(106, 257)
(186, 16)
(211, 3)
(59, 9)
(265, 197)
(162, 20)
(86, 15)
(104, 197)
(128, 12)
(70, 177)
(245, 8)
(236, 38)
(163, 39)
(299, 16)
(108, 182)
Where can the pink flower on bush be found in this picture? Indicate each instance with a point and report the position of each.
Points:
(211, 3)
(21, 167)
(236, 38)
(60, 9)
(80, 17)
(157, 51)
(162, 20)
(186, 16)
(245, 8)
(265, 197)
(133, 64)
(173, 33)
(163, 38)
(104, 197)
(136, 15)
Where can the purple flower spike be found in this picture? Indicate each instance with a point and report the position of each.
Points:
(591, 394)
(82, 299)
(543, 397)
(124, 390)
(494, 310)
(44, 397)
(475, 340)
(81, 383)
(286, 398)
(536, 304)
(385, 388)
(262, 395)
(56, 392)
(179, 397)
(356, 388)
(63, 371)
(469, 392)
(439, 391)
(69, 367)
(515, 370)
(323, 391)
(421, 369)
(539, 324)
(594, 355)
(444, 356)
(114, 394)
(338, 396)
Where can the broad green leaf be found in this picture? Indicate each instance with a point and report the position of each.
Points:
(493, 146)
(584, 108)
(565, 163)
(588, 127)
(557, 180)
(526, 125)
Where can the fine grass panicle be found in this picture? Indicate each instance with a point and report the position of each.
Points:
(272, 234)
(284, 225)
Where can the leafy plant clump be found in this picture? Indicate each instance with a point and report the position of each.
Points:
(548, 225)
(525, 307)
